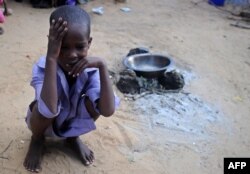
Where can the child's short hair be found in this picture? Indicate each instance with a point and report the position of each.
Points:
(73, 15)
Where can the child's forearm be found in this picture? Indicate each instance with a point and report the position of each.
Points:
(49, 90)
(106, 103)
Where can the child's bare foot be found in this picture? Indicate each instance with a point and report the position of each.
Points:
(86, 155)
(33, 157)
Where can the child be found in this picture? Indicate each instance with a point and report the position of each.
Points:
(6, 12)
(2, 19)
(72, 89)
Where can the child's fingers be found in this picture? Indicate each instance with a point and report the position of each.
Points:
(58, 23)
(53, 22)
(62, 33)
(77, 69)
(54, 27)
(62, 26)
(61, 30)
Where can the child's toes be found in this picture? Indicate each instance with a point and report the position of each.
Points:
(86, 163)
(92, 158)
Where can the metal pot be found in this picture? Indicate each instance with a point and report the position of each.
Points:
(148, 65)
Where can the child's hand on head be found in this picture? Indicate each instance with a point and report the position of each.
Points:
(88, 62)
(57, 30)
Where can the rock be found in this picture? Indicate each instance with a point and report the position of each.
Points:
(127, 84)
(172, 80)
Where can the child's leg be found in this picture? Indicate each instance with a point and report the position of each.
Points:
(1, 30)
(38, 125)
(86, 155)
(7, 12)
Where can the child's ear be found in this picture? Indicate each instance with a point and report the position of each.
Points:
(90, 41)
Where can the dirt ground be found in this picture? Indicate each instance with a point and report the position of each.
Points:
(200, 41)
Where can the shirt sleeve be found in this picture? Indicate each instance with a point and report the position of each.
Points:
(37, 83)
(94, 88)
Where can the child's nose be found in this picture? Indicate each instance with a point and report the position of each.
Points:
(72, 54)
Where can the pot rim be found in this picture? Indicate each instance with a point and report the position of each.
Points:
(125, 62)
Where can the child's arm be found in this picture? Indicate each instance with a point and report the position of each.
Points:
(49, 90)
(106, 103)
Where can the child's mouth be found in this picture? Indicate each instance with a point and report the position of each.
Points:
(71, 64)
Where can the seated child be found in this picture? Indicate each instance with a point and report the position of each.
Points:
(71, 88)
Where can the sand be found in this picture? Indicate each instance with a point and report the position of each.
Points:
(155, 134)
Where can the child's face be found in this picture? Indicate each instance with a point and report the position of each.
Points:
(75, 45)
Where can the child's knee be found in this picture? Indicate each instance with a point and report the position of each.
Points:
(37, 117)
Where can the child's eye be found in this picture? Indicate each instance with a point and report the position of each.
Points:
(64, 47)
(81, 47)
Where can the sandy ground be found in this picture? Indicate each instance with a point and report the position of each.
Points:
(201, 42)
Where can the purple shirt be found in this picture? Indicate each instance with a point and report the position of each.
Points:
(72, 118)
